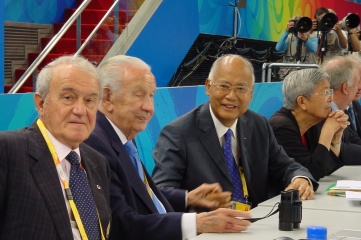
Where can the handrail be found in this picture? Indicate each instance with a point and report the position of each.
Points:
(49, 46)
(292, 65)
(81, 48)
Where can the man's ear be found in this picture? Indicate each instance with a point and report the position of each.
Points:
(106, 102)
(208, 86)
(344, 88)
(300, 100)
(39, 103)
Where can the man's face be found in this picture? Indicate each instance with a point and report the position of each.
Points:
(227, 107)
(318, 105)
(132, 107)
(355, 87)
(69, 109)
(358, 92)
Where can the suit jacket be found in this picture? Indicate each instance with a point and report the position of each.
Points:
(134, 213)
(357, 110)
(188, 153)
(351, 144)
(32, 204)
(315, 157)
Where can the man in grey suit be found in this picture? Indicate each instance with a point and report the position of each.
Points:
(189, 150)
(39, 163)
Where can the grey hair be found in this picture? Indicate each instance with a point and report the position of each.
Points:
(300, 83)
(225, 57)
(46, 74)
(340, 69)
(112, 71)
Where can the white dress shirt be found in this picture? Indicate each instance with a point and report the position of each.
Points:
(63, 151)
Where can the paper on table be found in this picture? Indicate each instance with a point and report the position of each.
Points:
(353, 195)
(342, 186)
(348, 184)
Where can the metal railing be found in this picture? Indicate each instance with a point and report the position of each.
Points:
(267, 68)
(114, 7)
(50, 46)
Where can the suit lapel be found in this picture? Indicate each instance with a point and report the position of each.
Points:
(244, 129)
(123, 159)
(47, 180)
(209, 138)
(244, 132)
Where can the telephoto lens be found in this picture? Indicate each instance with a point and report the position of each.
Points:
(290, 210)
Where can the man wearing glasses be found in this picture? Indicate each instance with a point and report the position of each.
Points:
(307, 99)
(222, 141)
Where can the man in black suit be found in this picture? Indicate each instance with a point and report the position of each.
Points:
(189, 149)
(35, 166)
(140, 210)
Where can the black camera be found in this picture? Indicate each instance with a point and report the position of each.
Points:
(327, 22)
(302, 25)
(290, 210)
(350, 21)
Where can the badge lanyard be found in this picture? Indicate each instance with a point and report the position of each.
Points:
(65, 183)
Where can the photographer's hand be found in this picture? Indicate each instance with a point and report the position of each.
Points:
(290, 24)
(303, 185)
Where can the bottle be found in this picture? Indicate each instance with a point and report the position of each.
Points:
(316, 233)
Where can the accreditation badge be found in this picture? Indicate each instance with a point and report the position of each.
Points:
(241, 206)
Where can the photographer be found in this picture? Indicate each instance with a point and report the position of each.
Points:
(332, 41)
(354, 40)
(299, 47)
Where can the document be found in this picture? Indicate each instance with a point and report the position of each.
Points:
(343, 186)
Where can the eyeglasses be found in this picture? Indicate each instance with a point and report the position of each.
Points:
(226, 88)
(326, 93)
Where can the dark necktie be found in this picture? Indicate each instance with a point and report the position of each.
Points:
(232, 167)
(83, 198)
(351, 115)
(134, 156)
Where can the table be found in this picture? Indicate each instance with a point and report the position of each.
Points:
(322, 201)
(335, 213)
(267, 229)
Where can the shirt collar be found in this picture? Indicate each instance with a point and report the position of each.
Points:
(62, 150)
(334, 106)
(120, 134)
(220, 128)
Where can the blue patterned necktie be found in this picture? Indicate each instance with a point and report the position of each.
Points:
(134, 156)
(232, 167)
(83, 198)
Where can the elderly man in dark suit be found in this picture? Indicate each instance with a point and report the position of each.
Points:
(140, 210)
(252, 166)
(39, 163)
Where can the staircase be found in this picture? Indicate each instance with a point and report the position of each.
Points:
(95, 50)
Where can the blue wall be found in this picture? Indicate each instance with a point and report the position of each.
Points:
(167, 37)
(36, 11)
(170, 103)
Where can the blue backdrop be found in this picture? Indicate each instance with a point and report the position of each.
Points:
(19, 110)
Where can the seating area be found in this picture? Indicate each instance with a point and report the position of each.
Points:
(100, 43)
